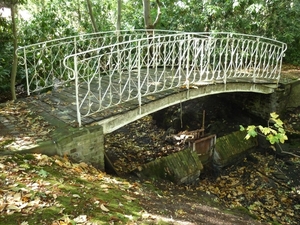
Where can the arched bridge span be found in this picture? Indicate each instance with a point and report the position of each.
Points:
(135, 73)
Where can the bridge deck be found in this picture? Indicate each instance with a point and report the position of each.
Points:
(60, 103)
(58, 108)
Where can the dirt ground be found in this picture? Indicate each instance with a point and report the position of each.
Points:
(186, 205)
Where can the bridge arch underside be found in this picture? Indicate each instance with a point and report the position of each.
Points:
(159, 101)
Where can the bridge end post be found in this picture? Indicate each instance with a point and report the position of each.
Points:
(26, 73)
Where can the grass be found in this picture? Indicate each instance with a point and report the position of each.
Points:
(44, 190)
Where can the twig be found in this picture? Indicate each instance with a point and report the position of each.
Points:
(289, 153)
(281, 150)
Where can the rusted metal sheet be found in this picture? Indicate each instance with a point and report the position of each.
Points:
(204, 147)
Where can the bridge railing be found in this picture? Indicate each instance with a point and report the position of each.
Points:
(43, 62)
(138, 67)
(230, 55)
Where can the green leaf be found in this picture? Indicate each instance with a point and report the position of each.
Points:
(247, 137)
(273, 131)
(43, 173)
(274, 115)
(252, 130)
(265, 130)
(278, 122)
(282, 138)
(242, 128)
(272, 139)
(281, 130)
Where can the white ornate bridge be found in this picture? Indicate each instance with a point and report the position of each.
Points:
(113, 78)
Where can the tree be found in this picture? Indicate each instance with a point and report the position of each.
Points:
(12, 4)
(13, 9)
(119, 15)
(147, 14)
(89, 4)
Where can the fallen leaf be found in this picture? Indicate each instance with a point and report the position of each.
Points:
(76, 196)
(2, 206)
(80, 219)
(58, 162)
(103, 208)
(25, 223)
(150, 97)
(128, 198)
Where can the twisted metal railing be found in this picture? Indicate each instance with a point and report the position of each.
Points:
(115, 68)
(43, 62)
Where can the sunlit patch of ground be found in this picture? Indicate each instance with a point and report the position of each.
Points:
(20, 128)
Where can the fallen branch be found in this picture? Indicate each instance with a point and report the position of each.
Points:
(284, 152)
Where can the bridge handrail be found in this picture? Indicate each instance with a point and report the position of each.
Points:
(194, 59)
(38, 58)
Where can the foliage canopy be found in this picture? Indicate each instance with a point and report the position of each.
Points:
(45, 20)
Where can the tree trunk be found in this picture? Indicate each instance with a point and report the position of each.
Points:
(147, 14)
(15, 56)
(79, 11)
(89, 4)
(119, 15)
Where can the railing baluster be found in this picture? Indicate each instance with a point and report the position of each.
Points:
(139, 74)
(187, 47)
(77, 91)
(26, 72)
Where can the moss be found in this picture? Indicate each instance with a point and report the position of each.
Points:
(177, 167)
(29, 157)
(230, 147)
(242, 210)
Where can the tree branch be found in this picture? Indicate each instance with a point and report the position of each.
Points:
(89, 5)
(158, 14)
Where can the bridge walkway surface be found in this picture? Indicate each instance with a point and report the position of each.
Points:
(60, 103)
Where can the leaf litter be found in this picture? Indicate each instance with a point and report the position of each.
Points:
(261, 185)
(72, 193)
(264, 185)
(21, 127)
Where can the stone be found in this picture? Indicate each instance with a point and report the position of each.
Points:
(84, 145)
(232, 147)
(183, 167)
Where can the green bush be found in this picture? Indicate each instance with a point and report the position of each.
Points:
(6, 53)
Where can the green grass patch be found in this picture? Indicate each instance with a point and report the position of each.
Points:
(42, 191)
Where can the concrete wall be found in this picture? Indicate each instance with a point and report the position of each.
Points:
(183, 167)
